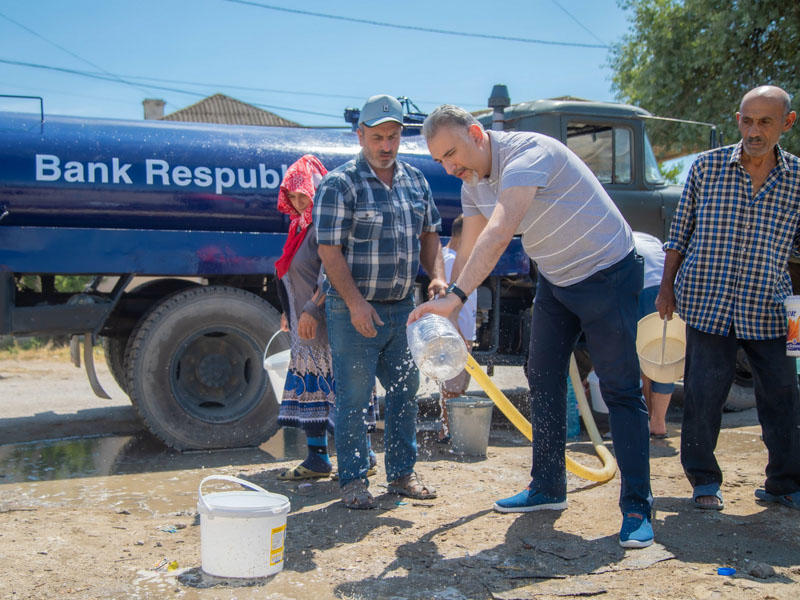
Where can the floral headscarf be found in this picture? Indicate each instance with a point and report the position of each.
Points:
(303, 176)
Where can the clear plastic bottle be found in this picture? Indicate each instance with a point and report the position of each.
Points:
(437, 347)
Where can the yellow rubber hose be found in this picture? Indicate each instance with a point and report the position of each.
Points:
(524, 426)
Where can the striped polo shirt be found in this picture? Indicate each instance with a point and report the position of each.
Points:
(572, 228)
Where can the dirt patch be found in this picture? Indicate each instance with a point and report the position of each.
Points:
(128, 527)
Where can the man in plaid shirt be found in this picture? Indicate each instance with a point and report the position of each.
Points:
(376, 222)
(726, 274)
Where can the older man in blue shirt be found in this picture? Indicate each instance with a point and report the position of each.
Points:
(726, 274)
(376, 222)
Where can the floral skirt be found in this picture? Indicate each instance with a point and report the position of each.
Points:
(309, 393)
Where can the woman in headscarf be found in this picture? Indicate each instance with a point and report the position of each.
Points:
(308, 396)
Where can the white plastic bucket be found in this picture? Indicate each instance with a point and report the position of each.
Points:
(276, 367)
(661, 348)
(792, 304)
(470, 421)
(241, 533)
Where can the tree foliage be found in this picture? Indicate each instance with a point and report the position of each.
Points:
(695, 59)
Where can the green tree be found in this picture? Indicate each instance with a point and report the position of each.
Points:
(695, 59)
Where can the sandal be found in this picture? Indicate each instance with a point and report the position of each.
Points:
(355, 495)
(301, 472)
(708, 490)
(412, 487)
(791, 500)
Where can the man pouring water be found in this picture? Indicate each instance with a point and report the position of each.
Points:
(528, 183)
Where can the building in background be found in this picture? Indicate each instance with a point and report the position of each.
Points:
(218, 108)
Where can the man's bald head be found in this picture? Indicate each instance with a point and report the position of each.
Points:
(769, 92)
(764, 114)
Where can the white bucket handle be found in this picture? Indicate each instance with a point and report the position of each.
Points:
(243, 482)
(266, 350)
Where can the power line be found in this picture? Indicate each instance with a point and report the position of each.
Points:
(71, 53)
(208, 84)
(155, 87)
(586, 29)
(487, 36)
(103, 77)
(245, 88)
(40, 91)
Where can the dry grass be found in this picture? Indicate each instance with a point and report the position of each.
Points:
(48, 352)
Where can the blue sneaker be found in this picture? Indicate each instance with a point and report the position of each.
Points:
(636, 532)
(528, 500)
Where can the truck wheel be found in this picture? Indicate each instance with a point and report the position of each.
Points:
(195, 372)
(114, 350)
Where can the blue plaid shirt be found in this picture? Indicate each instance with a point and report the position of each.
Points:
(736, 245)
(377, 227)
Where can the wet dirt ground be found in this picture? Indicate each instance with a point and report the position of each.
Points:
(115, 516)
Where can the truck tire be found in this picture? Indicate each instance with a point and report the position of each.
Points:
(195, 371)
(114, 350)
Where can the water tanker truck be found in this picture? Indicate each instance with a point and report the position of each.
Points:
(176, 225)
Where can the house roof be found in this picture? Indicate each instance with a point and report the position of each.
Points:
(220, 108)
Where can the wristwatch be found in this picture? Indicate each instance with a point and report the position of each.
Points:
(454, 289)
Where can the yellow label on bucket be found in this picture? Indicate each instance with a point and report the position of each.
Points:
(277, 536)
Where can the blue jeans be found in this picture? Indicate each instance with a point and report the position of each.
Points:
(708, 374)
(604, 307)
(357, 360)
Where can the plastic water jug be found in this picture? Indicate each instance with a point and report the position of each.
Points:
(437, 347)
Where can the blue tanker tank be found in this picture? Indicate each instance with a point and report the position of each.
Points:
(162, 197)
(74, 172)
(137, 180)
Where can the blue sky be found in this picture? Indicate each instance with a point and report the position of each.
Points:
(312, 65)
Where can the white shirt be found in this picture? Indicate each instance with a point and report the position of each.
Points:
(468, 314)
(651, 250)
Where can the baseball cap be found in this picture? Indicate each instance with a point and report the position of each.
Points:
(379, 109)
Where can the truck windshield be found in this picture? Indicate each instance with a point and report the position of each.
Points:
(652, 174)
(604, 147)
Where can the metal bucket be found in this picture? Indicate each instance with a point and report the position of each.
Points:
(470, 422)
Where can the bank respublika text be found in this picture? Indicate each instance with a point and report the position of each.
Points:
(157, 172)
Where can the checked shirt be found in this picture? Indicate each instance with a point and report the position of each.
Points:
(377, 227)
(736, 244)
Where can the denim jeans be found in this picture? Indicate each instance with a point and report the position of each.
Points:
(708, 374)
(357, 360)
(604, 307)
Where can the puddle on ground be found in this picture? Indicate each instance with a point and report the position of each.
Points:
(141, 453)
